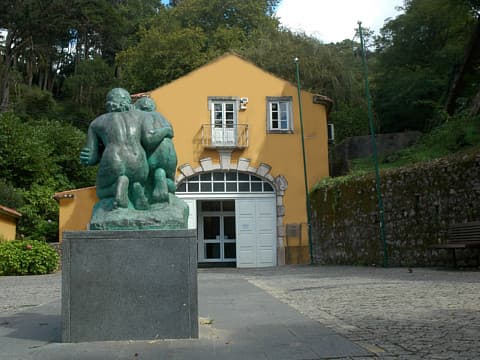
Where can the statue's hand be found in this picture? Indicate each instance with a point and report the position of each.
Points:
(86, 156)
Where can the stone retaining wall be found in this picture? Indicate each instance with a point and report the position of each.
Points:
(420, 202)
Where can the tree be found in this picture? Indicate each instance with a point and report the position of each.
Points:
(31, 27)
(188, 34)
(416, 53)
(39, 158)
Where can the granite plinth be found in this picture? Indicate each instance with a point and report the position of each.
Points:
(129, 285)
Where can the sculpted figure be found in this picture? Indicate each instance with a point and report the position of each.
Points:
(136, 167)
(123, 167)
(161, 155)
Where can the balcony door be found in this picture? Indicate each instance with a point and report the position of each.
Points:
(224, 123)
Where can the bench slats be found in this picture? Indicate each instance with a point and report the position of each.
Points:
(461, 236)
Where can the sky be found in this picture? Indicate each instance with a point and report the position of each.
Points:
(335, 20)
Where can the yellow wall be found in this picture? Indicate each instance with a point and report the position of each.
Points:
(75, 212)
(8, 227)
(184, 103)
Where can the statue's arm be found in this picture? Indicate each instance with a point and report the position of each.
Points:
(89, 155)
(154, 136)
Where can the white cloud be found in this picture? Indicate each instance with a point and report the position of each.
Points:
(335, 20)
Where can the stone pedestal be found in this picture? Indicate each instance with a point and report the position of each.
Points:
(129, 285)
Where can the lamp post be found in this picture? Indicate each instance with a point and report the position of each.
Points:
(304, 163)
(378, 184)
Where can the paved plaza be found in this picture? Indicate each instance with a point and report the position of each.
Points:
(394, 313)
(360, 312)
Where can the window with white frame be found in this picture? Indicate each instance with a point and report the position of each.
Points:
(223, 114)
(224, 182)
(279, 114)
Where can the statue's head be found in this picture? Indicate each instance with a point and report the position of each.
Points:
(145, 104)
(118, 100)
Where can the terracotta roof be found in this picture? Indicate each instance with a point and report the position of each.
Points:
(7, 211)
(69, 193)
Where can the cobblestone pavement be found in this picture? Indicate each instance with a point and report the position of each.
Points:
(394, 313)
(18, 293)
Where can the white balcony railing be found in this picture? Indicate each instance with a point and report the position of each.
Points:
(234, 137)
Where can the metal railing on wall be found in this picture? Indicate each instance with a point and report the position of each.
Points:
(235, 136)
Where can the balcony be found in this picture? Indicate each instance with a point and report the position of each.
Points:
(221, 137)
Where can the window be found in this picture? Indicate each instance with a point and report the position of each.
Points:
(279, 114)
(224, 182)
(223, 114)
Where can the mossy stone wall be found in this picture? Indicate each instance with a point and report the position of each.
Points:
(420, 202)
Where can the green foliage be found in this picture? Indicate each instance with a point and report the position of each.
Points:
(329, 182)
(350, 120)
(157, 58)
(27, 257)
(459, 133)
(40, 158)
(186, 36)
(416, 55)
(32, 102)
(88, 86)
(9, 196)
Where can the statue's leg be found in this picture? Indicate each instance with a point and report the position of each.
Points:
(121, 195)
(160, 190)
(140, 201)
(106, 191)
(168, 161)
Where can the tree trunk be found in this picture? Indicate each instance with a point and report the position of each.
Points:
(30, 72)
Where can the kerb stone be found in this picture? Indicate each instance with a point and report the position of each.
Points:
(129, 285)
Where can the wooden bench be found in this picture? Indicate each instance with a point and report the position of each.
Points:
(462, 236)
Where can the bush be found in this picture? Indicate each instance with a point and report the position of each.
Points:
(27, 257)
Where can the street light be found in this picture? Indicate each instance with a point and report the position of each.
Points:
(304, 163)
(378, 184)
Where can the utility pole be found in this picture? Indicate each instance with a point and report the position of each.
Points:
(378, 184)
(307, 196)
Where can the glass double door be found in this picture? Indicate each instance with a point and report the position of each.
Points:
(218, 231)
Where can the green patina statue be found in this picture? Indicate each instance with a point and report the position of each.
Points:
(132, 145)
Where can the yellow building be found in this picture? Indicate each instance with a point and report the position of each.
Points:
(8, 222)
(240, 164)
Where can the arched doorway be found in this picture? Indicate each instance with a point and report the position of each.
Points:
(236, 215)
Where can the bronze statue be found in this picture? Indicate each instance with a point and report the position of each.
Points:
(133, 148)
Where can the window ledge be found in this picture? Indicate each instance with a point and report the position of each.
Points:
(279, 131)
